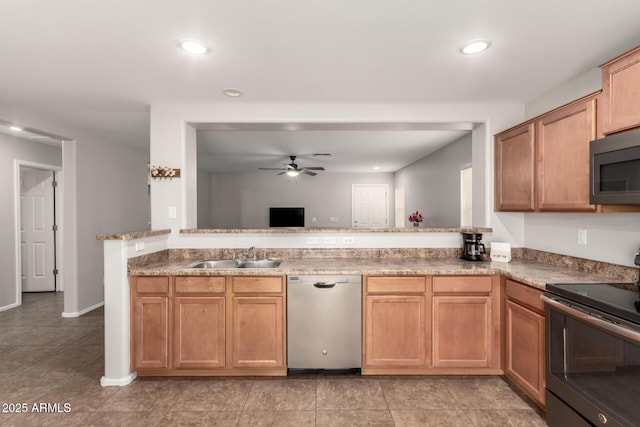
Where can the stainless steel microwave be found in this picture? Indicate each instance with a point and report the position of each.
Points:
(615, 169)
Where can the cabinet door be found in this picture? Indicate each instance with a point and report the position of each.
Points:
(258, 337)
(150, 332)
(395, 331)
(563, 157)
(621, 91)
(462, 335)
(525, 350)
(514, 169)
(199, 332)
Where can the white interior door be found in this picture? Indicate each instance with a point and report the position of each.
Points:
(369, 205)
(36, 230)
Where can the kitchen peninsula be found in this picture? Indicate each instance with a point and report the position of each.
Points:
(384, 253)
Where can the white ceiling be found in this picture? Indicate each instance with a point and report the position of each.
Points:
(101, 64)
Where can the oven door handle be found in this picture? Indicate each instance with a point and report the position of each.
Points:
(592, 320)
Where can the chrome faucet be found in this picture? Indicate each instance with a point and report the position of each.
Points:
(245, 255)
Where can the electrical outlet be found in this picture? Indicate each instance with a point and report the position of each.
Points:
(333, 219)
(329, 240)
(312, 240)
(347, 240)
(139, 246)
(582, 236)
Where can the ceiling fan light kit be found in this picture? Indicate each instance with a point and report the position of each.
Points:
(293, 170)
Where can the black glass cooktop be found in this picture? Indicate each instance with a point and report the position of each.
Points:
(618, 299)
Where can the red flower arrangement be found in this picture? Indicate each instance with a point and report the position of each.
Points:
(416, 217)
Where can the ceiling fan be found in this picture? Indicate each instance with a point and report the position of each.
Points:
(292, 169)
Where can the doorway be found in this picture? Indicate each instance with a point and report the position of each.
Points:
(369, 205)
(37, 231)
(466, 196)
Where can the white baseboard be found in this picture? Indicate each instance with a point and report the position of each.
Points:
(9, 307)
(118, 382)
(81, 312)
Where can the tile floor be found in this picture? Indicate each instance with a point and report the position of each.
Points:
(47, 359)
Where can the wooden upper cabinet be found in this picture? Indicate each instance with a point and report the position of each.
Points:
(621, 92)
(515, 169)
(562, 138)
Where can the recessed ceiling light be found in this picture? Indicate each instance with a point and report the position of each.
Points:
(233, 93)
(475, 46)
(375, 168)
(193, 47)
(16, 128)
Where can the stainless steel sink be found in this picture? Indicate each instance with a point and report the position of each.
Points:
(260, 263)
(213, 263)
(238, 263)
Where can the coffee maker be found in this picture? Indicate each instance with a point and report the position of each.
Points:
(472, 249)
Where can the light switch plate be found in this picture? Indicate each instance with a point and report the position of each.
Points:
(312, 240)
(139, 246)
(173, 212)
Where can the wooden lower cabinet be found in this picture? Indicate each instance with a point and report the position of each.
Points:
(151, 332)
(258, 340)
(466, 322)
(199, 332)
(150, 317)
(395, 323)
(525, 340)
(462, 332)
(395, 331)
(432, 325)
(208, 325)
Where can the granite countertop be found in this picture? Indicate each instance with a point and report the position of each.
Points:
(533, 273)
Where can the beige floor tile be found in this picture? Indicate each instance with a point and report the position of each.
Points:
(214, 394)
(49, 419)
(145, 395)
(505, 417)
(277, 419)
(282, 394)
(430, 417)
(16, 358)
(418, 393)
(201, 418)
(353, 418)
(349, 393)
(485, 393)
(125, 419)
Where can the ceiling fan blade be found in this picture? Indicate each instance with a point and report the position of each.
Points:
(308, 173)
(281, 173)
(314, 168)
(272, 169)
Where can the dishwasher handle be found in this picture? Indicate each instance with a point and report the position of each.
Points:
(324, 285)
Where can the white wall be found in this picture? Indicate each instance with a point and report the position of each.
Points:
(432, 184)
(105, 190)
(243, 200)
(14, 148)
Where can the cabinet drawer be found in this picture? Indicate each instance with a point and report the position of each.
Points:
(199, 285)
(525, 295)
(257, 284)
(152, 285)
(396, 284)
(462, 285)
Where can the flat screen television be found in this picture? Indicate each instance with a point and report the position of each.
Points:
(286, 217)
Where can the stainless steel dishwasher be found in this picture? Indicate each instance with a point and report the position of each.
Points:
(324, 322)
